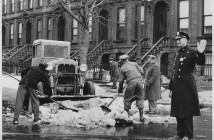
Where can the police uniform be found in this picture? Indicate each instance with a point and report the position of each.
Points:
(185, 102)
(131, 72)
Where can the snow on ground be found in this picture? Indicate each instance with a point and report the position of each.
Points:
(90, 114)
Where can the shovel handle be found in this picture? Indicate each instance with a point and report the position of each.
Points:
(116, 97)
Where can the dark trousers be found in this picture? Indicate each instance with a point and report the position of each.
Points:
(22, 91)
(185, 127)
(114, 80)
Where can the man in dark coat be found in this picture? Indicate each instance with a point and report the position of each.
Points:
(131, 72)
(153, 87)
(114, 72)
(31, 76)
(185, 102)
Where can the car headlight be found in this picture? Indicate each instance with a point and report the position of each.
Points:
(83, 67)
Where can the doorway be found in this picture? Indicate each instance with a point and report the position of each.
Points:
(28, 32)
(164, 64)
(61, 29)
(160, 21)
(3, 35)
(103, 25)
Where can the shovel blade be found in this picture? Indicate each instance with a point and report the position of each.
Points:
(105, 109)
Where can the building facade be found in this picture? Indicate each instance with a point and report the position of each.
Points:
(23, 21)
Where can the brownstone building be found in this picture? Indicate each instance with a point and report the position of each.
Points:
(115, 24)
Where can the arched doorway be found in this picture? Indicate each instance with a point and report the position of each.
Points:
(3, 35)
(160, 21)
(164, 64)
(61, 29)
(28, 32)
(103, 25)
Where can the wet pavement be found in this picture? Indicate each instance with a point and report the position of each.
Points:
(202, 131)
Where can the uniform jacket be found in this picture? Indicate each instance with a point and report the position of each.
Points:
(153, 91)
(114, 69)
(185, 102)
(31, 76)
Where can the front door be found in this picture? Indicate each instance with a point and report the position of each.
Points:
(28, 32)
(103, 25)
(61, 29)
(160, 21)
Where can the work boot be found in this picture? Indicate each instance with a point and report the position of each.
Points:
(127, 110)
(174, 138)
(142, 119)
(37, 120)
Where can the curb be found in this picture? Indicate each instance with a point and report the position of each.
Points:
(201, 105)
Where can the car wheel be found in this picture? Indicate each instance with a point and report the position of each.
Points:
(89, 88)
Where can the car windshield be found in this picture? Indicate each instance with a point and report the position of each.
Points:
(55, 51)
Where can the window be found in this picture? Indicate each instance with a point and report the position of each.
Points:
(21, 5)
(90, 27)
(4, 7)
(75, 31)
(208, 65)
(142, 20)
(12, 6)
(30, 4)
(50, 29)
(207, 17)
(184, 15)
(39, 29)
(11, 34)
(39, 3)
(19, 33)
(121, 24)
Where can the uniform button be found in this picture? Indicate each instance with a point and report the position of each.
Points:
(181, 63)
(179, 76)
(179, 69)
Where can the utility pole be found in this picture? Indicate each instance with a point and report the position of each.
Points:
(139, 33)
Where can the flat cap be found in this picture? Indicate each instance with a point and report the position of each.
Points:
(182, 35)
(125, 56)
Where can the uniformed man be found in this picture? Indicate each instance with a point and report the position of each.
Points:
(131, 72)
(114, 72)
(31, 76)
(185, 102)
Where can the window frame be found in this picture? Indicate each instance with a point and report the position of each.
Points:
(142, 23)
(203, 20)
(118, 23)
(11, 34)
(21, 5)
(90, 25)
(39, 32)
(19, 33)
(4, 8)
(12, 6)
(30, 4)
(50, 28)
(39, 3)
(73, 29)
(179, 18)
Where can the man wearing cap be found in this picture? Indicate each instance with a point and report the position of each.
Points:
(131, 72)
(114, 72)
(153, 87)
(184, 100)
(30, 77)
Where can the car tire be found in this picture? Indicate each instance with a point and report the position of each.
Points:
(89, 88)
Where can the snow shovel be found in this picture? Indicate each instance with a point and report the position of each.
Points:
(105, 108)
(64, 107)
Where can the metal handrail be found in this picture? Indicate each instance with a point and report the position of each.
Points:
(155, 45)
(135, 46)
(19, 50)
(11, 50)
(75, 53)
(96, 47)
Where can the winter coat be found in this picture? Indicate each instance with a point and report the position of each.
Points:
(31, 76)
(184, 101)
(153, 90)
(114, 69)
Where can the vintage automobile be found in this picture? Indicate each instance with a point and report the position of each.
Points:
(65, 75)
